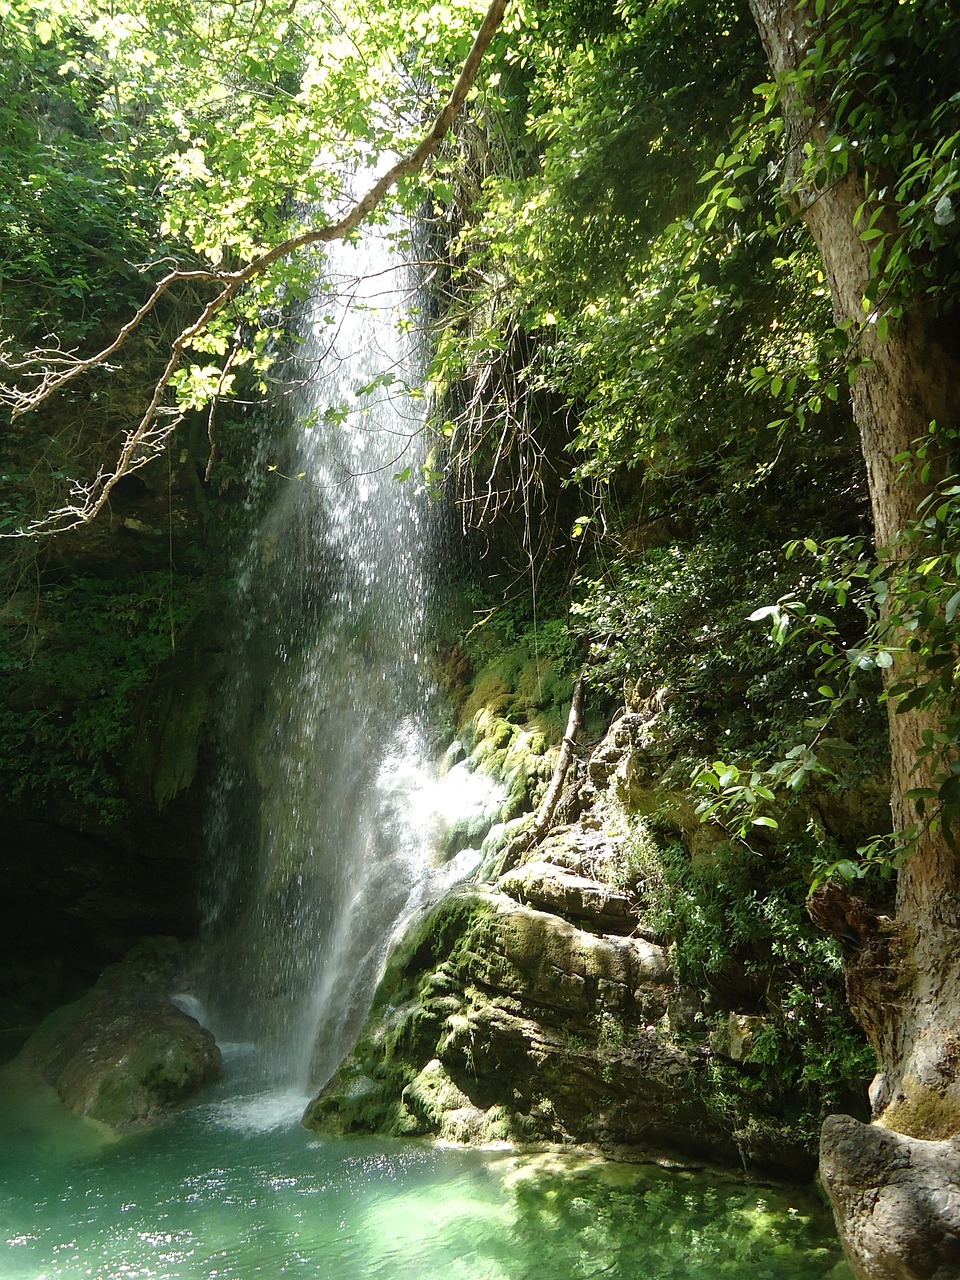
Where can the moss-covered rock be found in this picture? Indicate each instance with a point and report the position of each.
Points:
(495, 1021)
(124, 1054)
(603, 908)
(544, 1007)
(613, 982)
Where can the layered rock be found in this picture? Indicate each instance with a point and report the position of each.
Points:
(541, 1005)
(498, 1020)
(515, 1012)
(551, 888)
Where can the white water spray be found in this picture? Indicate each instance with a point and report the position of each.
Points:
(327, 807)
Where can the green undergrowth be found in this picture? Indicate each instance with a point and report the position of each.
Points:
(673, 621)
(509, 677)
(677, 629)
(740, 934)
(75, 665)
(516, 657)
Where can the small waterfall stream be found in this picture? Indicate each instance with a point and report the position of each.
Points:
(318, 826)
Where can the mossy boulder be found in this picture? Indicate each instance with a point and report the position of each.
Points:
(124, 1053)
(418, 990)
(520, 756)
(541, 1008)
(497, 1022)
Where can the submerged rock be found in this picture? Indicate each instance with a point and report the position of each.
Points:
(124, 1053)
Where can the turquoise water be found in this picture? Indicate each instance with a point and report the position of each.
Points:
(233, 1189)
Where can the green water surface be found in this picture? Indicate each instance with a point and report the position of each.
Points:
(233, 1189)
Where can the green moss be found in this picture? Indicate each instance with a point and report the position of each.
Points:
(413, 1001)
(519, 688)
(438, 935)
(489, 694)
(364, 1097)
(156, 1074)
(123, 1054)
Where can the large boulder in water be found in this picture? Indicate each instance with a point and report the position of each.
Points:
(124, 1053)
(496, 1021)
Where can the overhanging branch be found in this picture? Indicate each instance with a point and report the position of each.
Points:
(52, 369)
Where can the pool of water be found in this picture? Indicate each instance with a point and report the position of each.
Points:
(234, 1189)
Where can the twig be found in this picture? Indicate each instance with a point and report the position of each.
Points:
(550, 800)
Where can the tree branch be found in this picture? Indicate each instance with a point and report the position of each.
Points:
(548, 807)
(55, 368)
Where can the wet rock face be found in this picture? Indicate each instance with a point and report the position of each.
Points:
(124, 1054)
(499, 1021)
(543, 1005)
(596, 906)
(558, 967)
(535, 1008)
(896, 1200)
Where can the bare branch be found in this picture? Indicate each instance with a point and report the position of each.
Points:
(56, 368)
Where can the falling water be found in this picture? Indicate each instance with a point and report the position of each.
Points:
(318, 821)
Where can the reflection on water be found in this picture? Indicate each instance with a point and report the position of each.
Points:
(37, 1130)
(232, 1190)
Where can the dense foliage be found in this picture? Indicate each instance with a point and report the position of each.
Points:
(642, 257)
(639, 382)
(642, 301)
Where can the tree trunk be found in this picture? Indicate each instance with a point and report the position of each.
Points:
(903, 976)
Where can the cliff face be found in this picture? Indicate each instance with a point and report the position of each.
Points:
(110, 644)
(636, 979)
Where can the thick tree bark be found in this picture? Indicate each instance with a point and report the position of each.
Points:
(904, 979)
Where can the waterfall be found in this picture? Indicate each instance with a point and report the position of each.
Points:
(321, 843)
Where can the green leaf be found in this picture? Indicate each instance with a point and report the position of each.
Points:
(911, 701)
